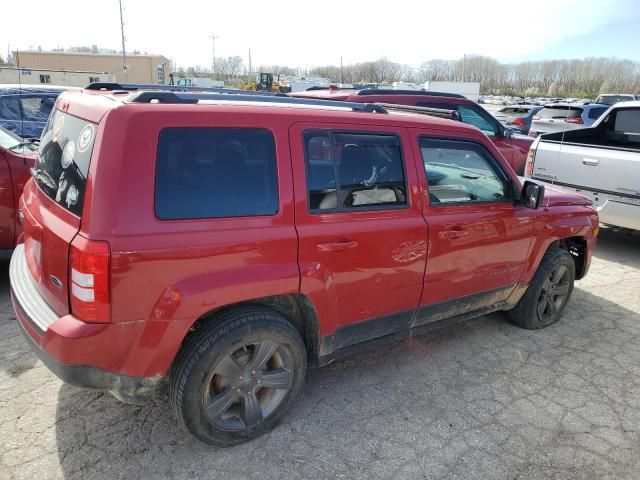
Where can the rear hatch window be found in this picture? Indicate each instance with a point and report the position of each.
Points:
(559, 112)
(63, 160)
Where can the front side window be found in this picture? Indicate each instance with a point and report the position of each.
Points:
(461, 172)
(473, 117)
(215, 172)
(353, 170)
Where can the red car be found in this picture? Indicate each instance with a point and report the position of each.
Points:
(225, 243)
(512, 145)
(17, 156)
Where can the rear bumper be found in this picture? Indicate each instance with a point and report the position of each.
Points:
(75, 351)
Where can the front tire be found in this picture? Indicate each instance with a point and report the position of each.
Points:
(548, 293)
(238, 376)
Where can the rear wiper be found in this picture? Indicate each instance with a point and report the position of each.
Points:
(43, 177)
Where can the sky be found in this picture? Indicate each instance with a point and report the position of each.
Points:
(311, 33)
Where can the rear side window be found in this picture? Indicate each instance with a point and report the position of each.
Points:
(560, 112)
(215, 172)
(354, 170)
(595, 112)
(63, 159)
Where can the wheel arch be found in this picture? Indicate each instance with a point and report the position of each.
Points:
(296, 308)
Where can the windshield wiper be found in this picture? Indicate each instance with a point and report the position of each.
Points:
(43, 177)
(26, 143)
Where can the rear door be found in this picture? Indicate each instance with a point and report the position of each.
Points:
(478, 238)
(52, 204)
(361, 233)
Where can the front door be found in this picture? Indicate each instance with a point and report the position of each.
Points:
(478, 238)
(362, 236)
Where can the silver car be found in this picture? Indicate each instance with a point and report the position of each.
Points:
(559, 117)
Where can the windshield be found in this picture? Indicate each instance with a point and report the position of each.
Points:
(63, 160)
(11, 141)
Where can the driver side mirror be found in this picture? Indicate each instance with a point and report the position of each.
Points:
(507, 132)
(532, 195)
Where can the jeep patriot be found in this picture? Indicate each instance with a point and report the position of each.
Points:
(219, 245)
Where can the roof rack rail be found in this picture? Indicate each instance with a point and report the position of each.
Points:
(433, 112)
(389, 91)
(241, 95)
(109, 87)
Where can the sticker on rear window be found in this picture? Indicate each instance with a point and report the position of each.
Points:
(58, 123)
(68, 153)
(86, 137)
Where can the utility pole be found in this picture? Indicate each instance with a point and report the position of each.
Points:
(213, 55)
(124, 52)
(249, 62)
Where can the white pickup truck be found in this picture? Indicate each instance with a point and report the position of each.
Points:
(601, 163)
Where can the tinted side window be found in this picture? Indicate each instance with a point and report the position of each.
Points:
(473, 117)
(353, 170)
(595, 112)
(461, 172)
(215, 172)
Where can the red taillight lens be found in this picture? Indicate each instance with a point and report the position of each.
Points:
(574, 120)
(519, 122)
(89, 280)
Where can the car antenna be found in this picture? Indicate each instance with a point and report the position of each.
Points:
(19, 100)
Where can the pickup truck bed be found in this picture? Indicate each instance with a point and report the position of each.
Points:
(601, 163)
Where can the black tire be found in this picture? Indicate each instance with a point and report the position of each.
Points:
(210, 371)
(540, 306)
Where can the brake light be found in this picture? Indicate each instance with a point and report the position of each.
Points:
(89, 286)
(519, 122)
(531, 158)
(574, 120)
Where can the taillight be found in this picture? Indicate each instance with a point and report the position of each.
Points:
(519, 122)
(574, 120)
(531, 158)
(89, 280)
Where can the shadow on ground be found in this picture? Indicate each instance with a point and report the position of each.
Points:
(479, 400)
(619, 246)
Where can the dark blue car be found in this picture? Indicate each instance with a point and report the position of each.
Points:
(25, 109)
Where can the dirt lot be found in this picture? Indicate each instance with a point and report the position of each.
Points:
(480, 400)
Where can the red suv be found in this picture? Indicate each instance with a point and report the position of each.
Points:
(225, 243)
(17, 156)
(512, 145)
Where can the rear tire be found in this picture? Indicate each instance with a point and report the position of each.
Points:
(238, 376)
(548, 293)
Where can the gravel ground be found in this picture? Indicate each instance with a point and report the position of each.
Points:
(481, 400)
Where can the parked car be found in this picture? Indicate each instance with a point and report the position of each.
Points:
(24, 109)
(513, 146)
(224, 243)
(518, 117)
(613, 98)
(601, 162)
(560, 117)
(17, 156)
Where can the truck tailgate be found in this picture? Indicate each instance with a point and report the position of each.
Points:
(606, 170)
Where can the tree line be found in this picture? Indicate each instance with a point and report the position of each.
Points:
(568, 78)
(577, 78)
